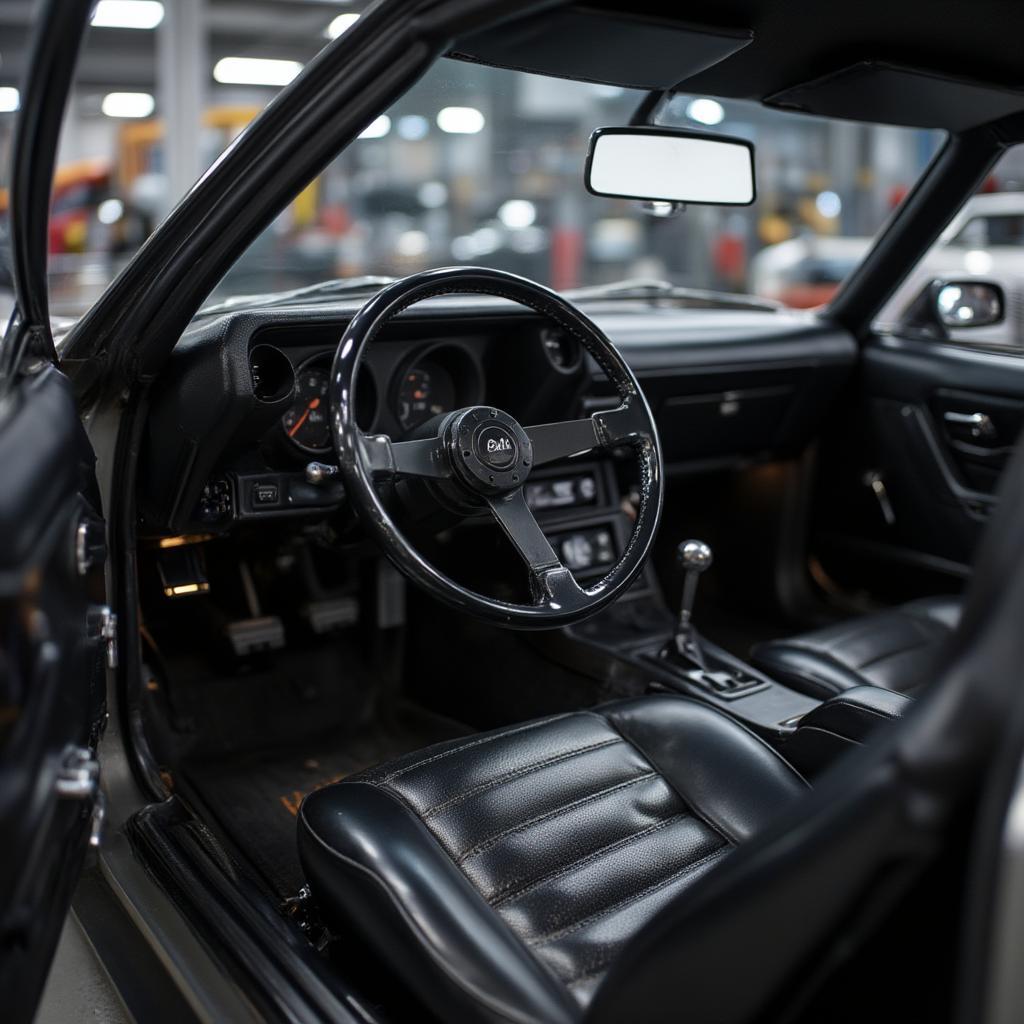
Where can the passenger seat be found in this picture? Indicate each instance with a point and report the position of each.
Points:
(895, 649)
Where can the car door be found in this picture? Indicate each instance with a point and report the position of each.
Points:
(908, 477)
(54, 625)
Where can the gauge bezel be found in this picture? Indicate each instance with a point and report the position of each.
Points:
(465, 371)
(324, 361)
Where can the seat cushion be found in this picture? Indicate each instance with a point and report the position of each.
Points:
(895, 649)
(501, 874)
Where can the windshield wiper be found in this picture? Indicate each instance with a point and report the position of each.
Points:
(325, 289)
(653, 289)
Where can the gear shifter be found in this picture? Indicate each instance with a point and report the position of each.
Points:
(695, 557)
(700, 664)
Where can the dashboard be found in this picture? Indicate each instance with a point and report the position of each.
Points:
(243, 407)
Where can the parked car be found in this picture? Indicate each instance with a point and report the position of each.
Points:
(984, 241)
(452, 648)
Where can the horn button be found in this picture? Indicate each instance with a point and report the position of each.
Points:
(490, 450)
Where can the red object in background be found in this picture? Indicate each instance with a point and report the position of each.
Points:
(729, 257)
(336, 219)
(896, 195)
(78, 189)
(807, 296)
(566, 258)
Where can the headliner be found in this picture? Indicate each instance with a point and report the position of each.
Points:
(796, 42)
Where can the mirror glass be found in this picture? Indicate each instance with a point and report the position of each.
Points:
(670, 165)
(969, 304)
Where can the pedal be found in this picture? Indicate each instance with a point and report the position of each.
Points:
(253, 636)
(332, 613)
(181, 571)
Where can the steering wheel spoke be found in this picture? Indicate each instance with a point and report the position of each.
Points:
(627, 424)
(551, 583)
(515, 517)
(424, 458)
(554, 441)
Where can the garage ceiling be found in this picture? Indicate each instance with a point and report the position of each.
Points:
(123, 58)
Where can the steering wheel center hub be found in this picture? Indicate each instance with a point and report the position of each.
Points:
(489, 450)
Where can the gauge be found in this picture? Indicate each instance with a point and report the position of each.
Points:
(307, 423)
(426, 390)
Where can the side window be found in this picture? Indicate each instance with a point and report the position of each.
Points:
(984, 242)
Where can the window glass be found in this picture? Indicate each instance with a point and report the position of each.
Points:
(985, 241)
(473, 165)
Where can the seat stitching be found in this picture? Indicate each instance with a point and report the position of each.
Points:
(487, 843)
(502, 897)
(634, 898)
(474, 743)
(517, 773)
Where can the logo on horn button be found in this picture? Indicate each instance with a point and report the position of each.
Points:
(496, 447)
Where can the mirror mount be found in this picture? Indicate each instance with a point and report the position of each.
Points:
(670, 166)
(662, 210)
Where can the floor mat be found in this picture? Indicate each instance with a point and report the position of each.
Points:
(255, 797)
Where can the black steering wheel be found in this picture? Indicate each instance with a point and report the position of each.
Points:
(482, 456)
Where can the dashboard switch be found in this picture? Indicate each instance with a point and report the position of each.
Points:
(265, 493)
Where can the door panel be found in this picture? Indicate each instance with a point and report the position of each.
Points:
(52, 675)
(907, 478)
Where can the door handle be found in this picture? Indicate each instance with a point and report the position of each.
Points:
(977, 425)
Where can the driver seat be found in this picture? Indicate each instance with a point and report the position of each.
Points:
(502, 874)
(652, 860)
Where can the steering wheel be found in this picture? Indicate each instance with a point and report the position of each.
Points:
(481, 457)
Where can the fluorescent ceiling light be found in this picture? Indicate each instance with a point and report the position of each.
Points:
(342, 23)
(128, 104)
(128, 14)
(377, 128)
(517, 213)
(460, 120)
(255, 71)
(705, 111)
(110, 211)
(413, 127)
(9, 99)
(829, 204)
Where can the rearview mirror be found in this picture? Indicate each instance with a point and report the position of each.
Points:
(670, 165)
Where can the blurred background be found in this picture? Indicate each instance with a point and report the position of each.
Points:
(474, 165)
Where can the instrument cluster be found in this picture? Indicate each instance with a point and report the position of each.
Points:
(431, 382)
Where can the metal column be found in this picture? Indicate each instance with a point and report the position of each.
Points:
(182, 74)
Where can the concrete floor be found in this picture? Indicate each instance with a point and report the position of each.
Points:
(78, 990)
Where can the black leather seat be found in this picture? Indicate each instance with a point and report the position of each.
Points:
(502, 874)
(895, 649)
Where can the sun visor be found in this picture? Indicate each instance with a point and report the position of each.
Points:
(888, 94)
(597, 46)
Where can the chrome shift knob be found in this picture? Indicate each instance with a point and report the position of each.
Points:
(695, 556)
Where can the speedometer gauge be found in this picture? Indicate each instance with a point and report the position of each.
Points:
(307, 423)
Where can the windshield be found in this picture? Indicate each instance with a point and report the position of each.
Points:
(477, 165)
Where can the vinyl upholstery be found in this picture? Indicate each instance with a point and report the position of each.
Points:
(505, 872)
(896, 649)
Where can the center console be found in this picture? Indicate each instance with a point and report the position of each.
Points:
(638, 639)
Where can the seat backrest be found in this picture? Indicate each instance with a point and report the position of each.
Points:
(756, 930)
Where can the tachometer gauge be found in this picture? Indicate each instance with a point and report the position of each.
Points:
(307, 423)
(425, 391)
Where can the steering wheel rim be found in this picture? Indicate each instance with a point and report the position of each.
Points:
(458, 453)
